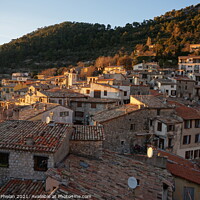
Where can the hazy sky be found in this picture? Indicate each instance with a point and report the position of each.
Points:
(19, 17)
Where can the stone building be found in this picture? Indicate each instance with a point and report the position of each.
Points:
(190, 136)
(185, 88)
(186, 176)
(190, 64)
(106, 91)
(139, 90)
(87, 141)
(28, 149)
(129, 125)
(85, 108)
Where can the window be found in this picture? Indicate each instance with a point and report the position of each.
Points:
(158, 112)
(186, 139)
(186, 87)
(170, 143)
(188, 154)
(105, 93)
(197, 123)
(151, 122)
(132, 127)
(60, 101)
(79, 114)
(197, 153)
(170, 128)
(79, 104)
(87, 91)
(122, 142)
(40, 163)
(4, 160)
(188, 124)
(197, 138)
(93, 105)
(125, 93)
(165, 192)
(159, 127)
(188, 193)
(64, 114)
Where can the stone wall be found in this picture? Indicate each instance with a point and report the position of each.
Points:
(121, 133)
(88, 110)
(91, 149)
(139, 90)
(21, 165)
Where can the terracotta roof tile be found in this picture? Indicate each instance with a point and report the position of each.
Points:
(94, 133)
(181, 167)
(14, 133)
(23, 187)
(107, 178)
(187, 112)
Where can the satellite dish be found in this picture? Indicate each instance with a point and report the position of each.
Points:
(48, 120)
(150, 152)
(132, 182)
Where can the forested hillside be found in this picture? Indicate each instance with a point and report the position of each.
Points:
(70, 42)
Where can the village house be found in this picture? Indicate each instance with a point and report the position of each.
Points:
(42, 112)
(20, 76)
(165, 86)
(186, 176)
(87, 141)
(145, 78)
(54, 95)
(114, 70)
(28, 149)
(190, 64)
(85, 108)
(129, 125)
(167, 130)
(105, 91)
(149, 66)
(188, 145)
(185, 87)
(139, 90)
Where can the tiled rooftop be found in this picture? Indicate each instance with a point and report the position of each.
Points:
(91, 133)
(61, 93)
(181, 167)
(155, 93)
(114, 112)
(187, 112)
(14, 133)
(94, 100)
(108, 178)
(169, 120)
(23, 187)
(150, 101)
(34, 110)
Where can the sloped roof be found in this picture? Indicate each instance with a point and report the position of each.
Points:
(14, 133)
(187, 112)
(150, 101)
(108, 178)
(181, 167)
(35, 110)
(23, 187)
(87, 133)
(114, 112)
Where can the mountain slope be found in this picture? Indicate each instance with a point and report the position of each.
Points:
(69, 42)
